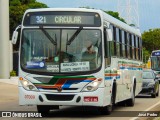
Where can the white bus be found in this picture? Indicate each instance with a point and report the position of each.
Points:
(77, 57)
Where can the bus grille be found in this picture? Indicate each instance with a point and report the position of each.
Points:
(59, 97)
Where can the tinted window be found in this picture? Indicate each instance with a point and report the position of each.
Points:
(148, 75)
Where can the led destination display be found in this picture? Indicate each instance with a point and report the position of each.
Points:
(62, 18)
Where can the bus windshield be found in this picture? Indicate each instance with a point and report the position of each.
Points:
(155, 63)
(61, 50)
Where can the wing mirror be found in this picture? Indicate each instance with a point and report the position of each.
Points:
(15, 35)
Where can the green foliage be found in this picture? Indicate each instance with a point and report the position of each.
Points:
(115, 15)
(13, 73)
(146, 55)
(112, 13)
(17, 9)
(151, 41)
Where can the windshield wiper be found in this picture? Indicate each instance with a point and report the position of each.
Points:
(48, 36)
(74, 35)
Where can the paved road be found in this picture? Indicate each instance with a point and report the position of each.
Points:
(9, 102)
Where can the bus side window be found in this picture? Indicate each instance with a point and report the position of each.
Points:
(123, 44)
(107, 50)
(133, 53)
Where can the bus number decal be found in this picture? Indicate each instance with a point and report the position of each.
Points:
(29, 96)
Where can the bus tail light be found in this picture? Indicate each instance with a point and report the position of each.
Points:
(28, 85)
(92, 86)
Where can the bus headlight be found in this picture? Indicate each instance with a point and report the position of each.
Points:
(28, 85)
(92, 86)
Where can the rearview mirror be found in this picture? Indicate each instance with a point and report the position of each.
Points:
(15, 35)
(109, 35)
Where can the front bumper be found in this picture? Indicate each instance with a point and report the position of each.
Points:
(147, 90)
(69, 99)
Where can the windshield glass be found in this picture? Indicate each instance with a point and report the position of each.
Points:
(60, 50)
(148, 75)
(155, 63)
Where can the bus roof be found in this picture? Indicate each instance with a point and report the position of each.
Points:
(105, 16)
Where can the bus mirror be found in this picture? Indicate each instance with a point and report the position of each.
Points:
(109, 35)
(15, 35)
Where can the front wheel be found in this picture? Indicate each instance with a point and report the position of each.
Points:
(131, 101)
(44, 109)
(107, 109)
(157, 94)
(153, 95)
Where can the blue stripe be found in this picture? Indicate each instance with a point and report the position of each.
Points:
(110, 78)
(70, 82)
(130, 68)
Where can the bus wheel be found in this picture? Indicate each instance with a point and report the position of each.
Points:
(153, 95)
(107, 109)
(131, 101)
(157, 94)
(43, 109)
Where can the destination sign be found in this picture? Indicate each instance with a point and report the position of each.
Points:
(62, 18)
(156, 53)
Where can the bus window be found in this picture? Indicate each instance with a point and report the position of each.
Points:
(130, 45)
(114, 40)
(117, 42)
(133, 53)
(120, 41)
(137, 48)
(123, 45)
(125, 40)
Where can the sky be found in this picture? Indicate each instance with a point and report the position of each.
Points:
(148, 10)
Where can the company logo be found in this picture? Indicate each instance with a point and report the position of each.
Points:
(59, 89)
(6, 114)
(20, 114)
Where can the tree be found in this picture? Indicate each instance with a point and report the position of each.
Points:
(115, 15)
(17, 9)
(112, 13)
(151, 39)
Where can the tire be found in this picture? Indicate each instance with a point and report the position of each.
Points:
(43, 109)
(131, 101)
(107, 110)
(153, 95)
(157, 94)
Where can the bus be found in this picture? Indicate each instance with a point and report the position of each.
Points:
(155, 62)
(77, 57)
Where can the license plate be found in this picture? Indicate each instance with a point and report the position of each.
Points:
(90, 99)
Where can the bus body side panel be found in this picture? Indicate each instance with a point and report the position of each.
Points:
(124, 72)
